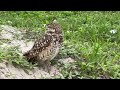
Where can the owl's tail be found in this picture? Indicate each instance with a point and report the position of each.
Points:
(29, 56)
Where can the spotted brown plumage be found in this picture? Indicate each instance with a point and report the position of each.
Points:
(46, 48)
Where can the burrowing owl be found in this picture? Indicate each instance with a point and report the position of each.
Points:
(46, 48)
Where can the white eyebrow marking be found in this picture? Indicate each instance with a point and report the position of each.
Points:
(44, 37)
(52, 30)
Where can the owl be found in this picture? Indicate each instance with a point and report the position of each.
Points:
(47, 47)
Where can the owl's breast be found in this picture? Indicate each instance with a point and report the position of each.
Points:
(49, 53)
(55, 51)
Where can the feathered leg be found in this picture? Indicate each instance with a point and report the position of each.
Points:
(48, 65)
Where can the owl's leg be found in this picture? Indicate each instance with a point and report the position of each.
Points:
(47, 65)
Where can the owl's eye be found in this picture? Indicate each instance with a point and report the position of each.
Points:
(50, 32)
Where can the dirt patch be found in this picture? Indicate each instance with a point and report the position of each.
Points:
(9, 71)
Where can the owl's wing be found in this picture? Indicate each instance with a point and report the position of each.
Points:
(38, 46)
(43, 42)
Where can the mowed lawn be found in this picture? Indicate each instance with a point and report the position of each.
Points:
(92, 38)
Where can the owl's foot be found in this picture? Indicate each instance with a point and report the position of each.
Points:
(47, 66)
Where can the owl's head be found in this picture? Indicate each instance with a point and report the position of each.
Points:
(53, 28)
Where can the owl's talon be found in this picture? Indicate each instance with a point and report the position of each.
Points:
(47, 69)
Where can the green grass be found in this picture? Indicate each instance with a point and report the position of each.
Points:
(87, 37)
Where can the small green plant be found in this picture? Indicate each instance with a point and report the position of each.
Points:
(12, 55)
